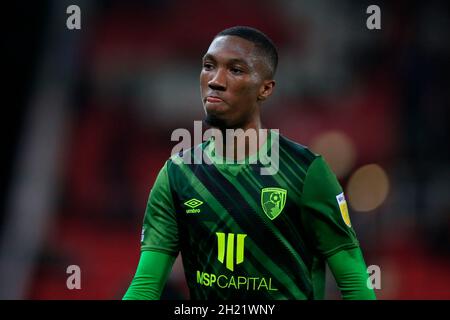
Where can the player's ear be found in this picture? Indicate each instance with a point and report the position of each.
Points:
(266, 89)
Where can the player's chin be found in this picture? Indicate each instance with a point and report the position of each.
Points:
(216, 107)
(216, 120)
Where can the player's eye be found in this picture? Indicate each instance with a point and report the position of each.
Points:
(235, 70)
(208, 66)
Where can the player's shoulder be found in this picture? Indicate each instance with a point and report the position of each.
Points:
(187, 156)
(297, 151)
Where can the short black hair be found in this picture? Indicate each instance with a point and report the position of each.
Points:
(261, 40)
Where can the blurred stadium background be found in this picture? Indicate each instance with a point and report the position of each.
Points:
(88, 115)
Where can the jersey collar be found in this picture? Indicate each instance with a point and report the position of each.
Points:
(235, 167)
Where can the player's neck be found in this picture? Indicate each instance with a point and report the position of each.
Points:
(242, 142)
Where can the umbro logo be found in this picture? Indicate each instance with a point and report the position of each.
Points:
(193, 204)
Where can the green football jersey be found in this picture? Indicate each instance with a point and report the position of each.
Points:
(244, 235)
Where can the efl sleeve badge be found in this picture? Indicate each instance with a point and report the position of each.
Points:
(343, 208)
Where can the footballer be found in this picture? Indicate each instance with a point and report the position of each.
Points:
(243, 234)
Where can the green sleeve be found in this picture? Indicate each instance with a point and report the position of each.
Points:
(151, 276)
(350, 272)
(324, 212)
(160, 229)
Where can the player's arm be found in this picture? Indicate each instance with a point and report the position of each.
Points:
(327, 224)
(349, 270)
(159, 243)
(151, 275)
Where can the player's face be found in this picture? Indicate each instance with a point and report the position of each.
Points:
(232, 82)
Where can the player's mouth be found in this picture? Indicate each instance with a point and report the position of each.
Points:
(215, 104)
(213, 99)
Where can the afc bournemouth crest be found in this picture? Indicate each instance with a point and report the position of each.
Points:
(273, 201)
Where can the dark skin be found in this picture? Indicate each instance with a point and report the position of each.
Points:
(234, 81)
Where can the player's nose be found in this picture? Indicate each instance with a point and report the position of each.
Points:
(218, 80)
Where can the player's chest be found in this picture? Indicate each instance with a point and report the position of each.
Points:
(243, 199)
